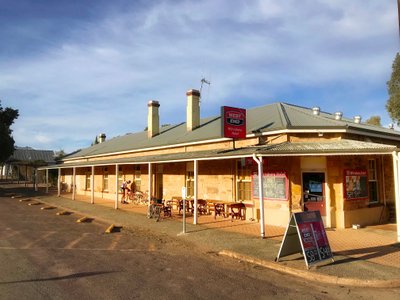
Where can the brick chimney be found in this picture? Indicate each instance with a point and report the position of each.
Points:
(153, 119)
(192, 110)
(101, 138)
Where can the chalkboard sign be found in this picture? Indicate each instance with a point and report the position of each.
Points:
(355, 184)
(275, 185)
(306, 234)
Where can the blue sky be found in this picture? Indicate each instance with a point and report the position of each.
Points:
(75, 69)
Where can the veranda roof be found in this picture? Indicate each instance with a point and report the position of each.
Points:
(340, 147)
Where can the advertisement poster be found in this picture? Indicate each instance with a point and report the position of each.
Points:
(311, 238)
(355, 184)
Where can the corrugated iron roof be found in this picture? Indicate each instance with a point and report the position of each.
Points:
(339, 147)
(29, 155)
(264, 119)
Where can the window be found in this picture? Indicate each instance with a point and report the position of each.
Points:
(120, 178)
(88, 179)
(137, 181)
(189, 184)
(372, 181)
(243, 181)
(105, 181)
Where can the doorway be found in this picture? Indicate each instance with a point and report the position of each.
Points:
(314, 192)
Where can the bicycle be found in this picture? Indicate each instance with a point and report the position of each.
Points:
(138, 197)
(154, 210)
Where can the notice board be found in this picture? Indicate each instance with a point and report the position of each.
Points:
(306, 234)
(275, 185)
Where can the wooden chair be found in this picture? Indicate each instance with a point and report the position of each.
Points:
(238, 211)
(219, 209)
(188, 206)
(202, 206)
(167, 209)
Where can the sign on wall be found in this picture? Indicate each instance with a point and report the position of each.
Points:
(306, 234)
(275, 185)
(355, 184)
(233, 122)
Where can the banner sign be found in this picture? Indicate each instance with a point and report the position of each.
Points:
(233, 122)
(355, 184)
(306, 234)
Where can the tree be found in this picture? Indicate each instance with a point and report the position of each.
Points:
(7, 117)
(393, 85)
(374, 120)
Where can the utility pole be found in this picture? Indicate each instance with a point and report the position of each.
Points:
(398, 14)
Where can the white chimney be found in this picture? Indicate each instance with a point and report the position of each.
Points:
(101, 138)
(357, 119)
(315, 110)
(338, 115)
(153, 119)
(192, 110)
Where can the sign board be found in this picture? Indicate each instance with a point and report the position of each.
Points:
(306, 234)
(355, 184)
(233, 122)
(275, 185)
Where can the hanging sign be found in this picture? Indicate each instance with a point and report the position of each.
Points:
(306, 234)
(233, 122)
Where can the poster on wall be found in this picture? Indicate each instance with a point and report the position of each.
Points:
(275, 185)
(355, 184)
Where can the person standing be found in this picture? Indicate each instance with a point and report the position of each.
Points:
(124, 192)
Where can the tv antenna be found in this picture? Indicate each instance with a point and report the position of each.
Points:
(203, 81)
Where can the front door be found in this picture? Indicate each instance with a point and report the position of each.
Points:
(314, 192)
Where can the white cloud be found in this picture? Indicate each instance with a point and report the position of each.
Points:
(100, 75)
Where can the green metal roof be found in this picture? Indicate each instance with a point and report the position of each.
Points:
(264, 119)
(339, 147)
(26, 155)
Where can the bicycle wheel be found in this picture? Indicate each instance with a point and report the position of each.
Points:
(150, 211)
(157, 212)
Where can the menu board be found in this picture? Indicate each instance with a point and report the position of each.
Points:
(275, 185)
(311, 238)
(355, 184)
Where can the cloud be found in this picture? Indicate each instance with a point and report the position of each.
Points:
(97, 71)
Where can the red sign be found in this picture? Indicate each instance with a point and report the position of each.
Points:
(233, 122)
(313, 236)
(355, 184)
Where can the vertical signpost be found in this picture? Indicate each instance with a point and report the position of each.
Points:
(306, 234)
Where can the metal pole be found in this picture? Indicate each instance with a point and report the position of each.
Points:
(196, 163)
(116, 186)
(59, 183)
(73, 183)
(259, 162)
(92, 186)
(47, 181)
(150, 185)
(397, 189)
(184, 210)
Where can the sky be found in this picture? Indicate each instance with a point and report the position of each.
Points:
(75, 69)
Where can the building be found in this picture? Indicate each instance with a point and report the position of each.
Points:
(310, 160)
(22, 165)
